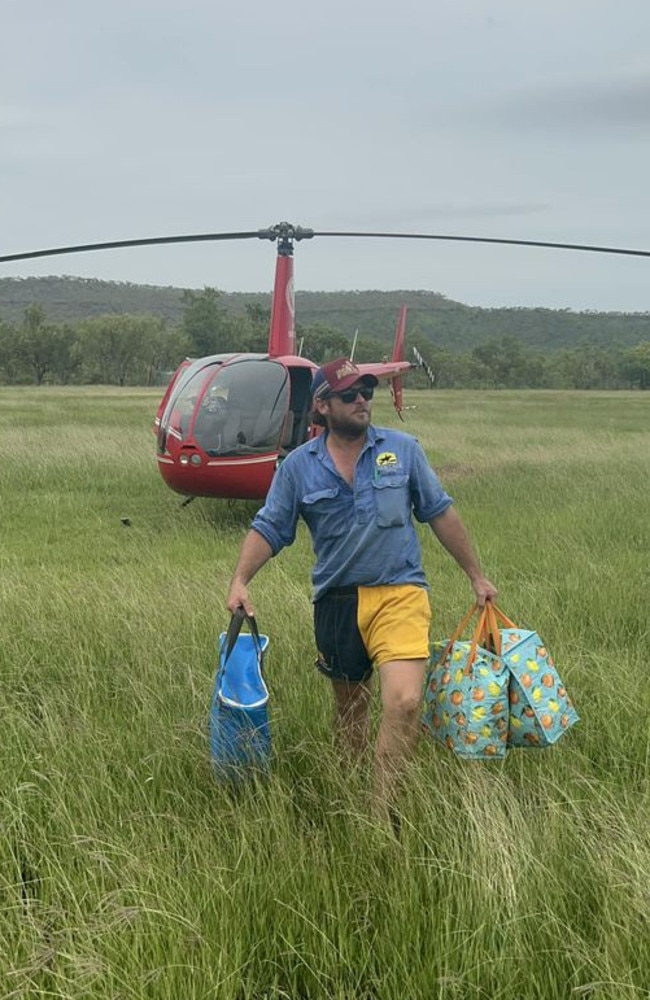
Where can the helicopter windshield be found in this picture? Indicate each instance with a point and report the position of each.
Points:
(242, 408)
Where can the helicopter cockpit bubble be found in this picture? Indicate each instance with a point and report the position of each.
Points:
(215, 401)
(245, 405)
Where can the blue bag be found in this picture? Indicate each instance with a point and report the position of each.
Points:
(240, 736)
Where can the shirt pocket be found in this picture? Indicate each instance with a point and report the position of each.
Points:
(323, 511)
(392, 500)
(316, 498)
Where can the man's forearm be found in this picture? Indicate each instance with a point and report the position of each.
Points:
(254, 553)
(452, 534)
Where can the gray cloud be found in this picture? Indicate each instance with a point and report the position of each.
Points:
(146, 117)
(589, 107)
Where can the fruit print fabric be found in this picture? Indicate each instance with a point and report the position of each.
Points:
(466, 703)
(498, 691)
(540, 708)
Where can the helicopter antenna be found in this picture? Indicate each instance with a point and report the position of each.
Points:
(300, 346)
(354, 344)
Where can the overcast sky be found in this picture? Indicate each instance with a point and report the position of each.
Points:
(525, 119)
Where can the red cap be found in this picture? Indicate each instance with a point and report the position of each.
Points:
(337, 376)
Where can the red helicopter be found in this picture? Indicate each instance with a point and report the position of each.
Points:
(227, 420)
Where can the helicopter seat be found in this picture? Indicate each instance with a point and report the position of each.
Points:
(232, 432)
(208, 431)
(287, 430)
(266, 429)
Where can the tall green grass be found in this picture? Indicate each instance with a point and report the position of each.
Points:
(127, 872)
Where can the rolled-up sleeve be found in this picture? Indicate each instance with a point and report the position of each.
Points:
(276, 521)
(428, 495)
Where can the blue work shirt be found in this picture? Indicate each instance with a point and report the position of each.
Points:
(362, 534)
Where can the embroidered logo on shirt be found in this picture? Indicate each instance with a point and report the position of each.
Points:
(387, 458)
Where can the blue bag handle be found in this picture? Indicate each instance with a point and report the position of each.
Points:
(239, 616)
(243, 686)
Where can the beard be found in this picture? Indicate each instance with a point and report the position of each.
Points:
(352, 426)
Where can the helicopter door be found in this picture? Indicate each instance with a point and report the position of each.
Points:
(297, 421)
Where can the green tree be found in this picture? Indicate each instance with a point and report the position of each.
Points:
(35, 344)
(370, 349)
(10, 364)
(322, 343)
(511, 365)
(635, 365)
(66, 353)
(205, 322)
(439, 359)
(253, 331)
(259, 316)
(588, 366)
(167, 348)
(46, 351)
(121, 350)
(466, 371)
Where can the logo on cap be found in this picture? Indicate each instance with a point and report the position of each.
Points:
(346, 369)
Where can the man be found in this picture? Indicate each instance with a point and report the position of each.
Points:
(357, 487)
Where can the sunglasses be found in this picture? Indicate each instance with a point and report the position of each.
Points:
(350, 395)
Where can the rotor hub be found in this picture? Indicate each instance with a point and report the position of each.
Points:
(285, 233)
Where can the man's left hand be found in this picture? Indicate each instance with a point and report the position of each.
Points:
(484, 590)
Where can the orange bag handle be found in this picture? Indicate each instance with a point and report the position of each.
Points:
(492, 627)
(458, 631)
(498, 614)
(481, 635)
(482, 631)
(485, 633)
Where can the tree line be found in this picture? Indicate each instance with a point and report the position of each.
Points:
(441, 320)
(123, 349)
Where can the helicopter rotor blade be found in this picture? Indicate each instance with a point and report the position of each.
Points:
(287, 232)
(144, 242)
(492, 239)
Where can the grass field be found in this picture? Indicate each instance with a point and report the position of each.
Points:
(127, 872)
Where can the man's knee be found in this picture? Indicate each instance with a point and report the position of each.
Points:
(351, 699)
(403, 705)
(403, 689)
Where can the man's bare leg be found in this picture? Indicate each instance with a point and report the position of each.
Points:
(352, 716)
(402, 689)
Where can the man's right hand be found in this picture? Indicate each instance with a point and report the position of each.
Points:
(238, 597)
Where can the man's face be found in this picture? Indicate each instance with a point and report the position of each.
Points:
(348, 416)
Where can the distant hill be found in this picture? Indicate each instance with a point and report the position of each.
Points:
(68, 300)
(438, 319)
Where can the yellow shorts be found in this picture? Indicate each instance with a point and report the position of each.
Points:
(356, 627)
(394, 622)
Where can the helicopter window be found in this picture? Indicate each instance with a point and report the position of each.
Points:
(243, 408)
(178, 413)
